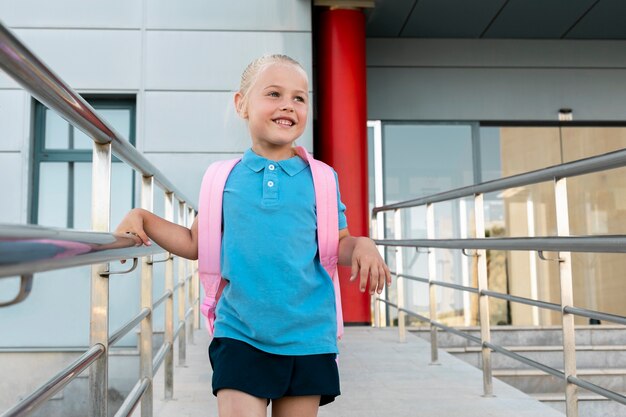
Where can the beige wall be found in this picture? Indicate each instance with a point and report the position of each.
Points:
(597, 205)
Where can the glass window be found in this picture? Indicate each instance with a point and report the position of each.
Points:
(62, 167)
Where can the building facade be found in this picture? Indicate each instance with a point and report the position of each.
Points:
(457, 92)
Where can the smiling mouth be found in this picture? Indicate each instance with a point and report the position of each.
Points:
(284, 122)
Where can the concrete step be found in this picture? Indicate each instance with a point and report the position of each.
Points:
(532, 381)
(589, 404)
(533, 336)
(592, 357)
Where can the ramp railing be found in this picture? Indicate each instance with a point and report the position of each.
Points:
(477, 248)
(26, 250)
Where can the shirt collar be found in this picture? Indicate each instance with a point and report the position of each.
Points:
(256, 163)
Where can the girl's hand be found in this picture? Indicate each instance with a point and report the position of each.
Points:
(132, 226)
(367, 262)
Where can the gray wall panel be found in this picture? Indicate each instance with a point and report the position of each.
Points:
(87, 59)
(71, 13)
(208, 123)
(494, 94)
(495, 80)
(12, 119)
(12, 192)
(496, 53)
(283, 15)
(214, 60)
(186, 170)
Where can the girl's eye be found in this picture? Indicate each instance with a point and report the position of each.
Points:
(300, 98)
(273, 94)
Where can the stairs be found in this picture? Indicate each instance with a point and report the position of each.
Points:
(600, 359)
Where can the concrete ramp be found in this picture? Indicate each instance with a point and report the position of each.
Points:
(380, 377)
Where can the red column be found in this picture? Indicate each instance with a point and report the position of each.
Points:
(342, 130)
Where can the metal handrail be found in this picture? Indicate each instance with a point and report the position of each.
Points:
(610, 160)
(46, 248)
(438, 283)
(595, 244)
(131, 401)
(130, 325)
(55, 384)
(40, 81)
(160, 356)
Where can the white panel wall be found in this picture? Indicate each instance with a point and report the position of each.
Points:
(200, 60)
(12, 119)
(272, 15)
(12, 193)
(71, 13)
(498, 80)
(183, 61)
(209, 120)
(87, 59)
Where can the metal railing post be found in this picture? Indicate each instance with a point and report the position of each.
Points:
(567, 299)
(378, 227)
(182, 282)
(169, 308)
(376, 232)
(397, 222)
(145, 349)
(432, 291)
(99, 328)
(483, 300)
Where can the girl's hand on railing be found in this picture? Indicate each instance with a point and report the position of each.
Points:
(132, 224)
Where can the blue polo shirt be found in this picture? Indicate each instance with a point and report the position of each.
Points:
(279, 298)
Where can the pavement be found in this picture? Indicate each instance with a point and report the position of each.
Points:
(379, 377)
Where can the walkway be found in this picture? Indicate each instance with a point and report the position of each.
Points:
(379, 376)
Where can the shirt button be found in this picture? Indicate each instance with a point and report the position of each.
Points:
(270, 183)
(271, 167)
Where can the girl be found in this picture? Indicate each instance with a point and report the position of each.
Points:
(275, 328)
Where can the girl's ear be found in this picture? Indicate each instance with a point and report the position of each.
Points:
(239, 104)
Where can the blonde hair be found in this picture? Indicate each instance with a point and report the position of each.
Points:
(249, 75)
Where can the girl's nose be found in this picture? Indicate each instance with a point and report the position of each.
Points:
(287, 106)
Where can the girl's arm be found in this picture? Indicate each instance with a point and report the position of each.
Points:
(170, 236)
(362, 255)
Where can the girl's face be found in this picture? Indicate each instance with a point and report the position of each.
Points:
(276, 106)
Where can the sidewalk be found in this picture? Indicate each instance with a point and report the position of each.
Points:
(379, 377)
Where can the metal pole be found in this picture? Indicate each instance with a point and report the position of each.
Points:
(99, 322)
(376, 304)
(145, 349)
(534, 292)
(465, 276)
(483, 300)
(432, 290)
(567, 299)
(169, 307)
(182, 338)
(378, 227)
(397, 224)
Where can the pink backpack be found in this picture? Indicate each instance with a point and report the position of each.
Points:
(210, 230)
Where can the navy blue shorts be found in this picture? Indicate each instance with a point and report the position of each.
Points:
(240, 366)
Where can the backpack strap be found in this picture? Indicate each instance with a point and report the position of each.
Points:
(210, 235)
(326, 204)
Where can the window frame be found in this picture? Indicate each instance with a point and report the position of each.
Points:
(40, 154)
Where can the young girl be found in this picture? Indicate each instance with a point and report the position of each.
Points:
(275, 328)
